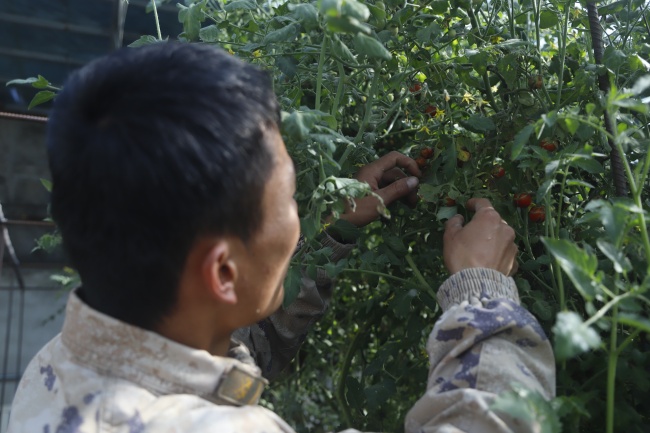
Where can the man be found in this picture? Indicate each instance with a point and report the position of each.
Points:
(173, 192)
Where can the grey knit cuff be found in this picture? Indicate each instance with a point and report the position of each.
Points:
(339, 250)
(478, 283)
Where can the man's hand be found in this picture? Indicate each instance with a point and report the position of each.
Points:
(485, 242)
(387, 180)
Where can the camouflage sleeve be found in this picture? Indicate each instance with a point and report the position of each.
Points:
(274, 342)
(483, 342)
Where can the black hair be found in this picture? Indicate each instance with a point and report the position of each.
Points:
(149, 149)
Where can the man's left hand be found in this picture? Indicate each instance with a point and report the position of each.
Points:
(392, 177)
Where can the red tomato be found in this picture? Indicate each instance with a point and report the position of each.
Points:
(450, 201)
(537, 214)
(548, 144)
(535, 82)
(498, 172)
(523, 199)
(416, 87)
(427, 152)
(431, 110)
(421, 161)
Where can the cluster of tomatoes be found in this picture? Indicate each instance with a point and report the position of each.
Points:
(536, 214)
(425, 154)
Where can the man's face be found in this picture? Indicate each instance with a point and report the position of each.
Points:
(260, 289)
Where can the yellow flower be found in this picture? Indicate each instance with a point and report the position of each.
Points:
(257, 53)
(440, 114)
(495, 39)
(467, 98)
(231, 51)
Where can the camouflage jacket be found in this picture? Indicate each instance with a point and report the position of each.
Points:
(103, 375)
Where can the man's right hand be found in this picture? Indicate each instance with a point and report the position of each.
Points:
(487, 241)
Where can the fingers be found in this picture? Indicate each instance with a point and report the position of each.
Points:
(476, 204)
(398, 189)
(453, 226)
(391, 160)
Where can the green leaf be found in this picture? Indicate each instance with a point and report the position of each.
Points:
(548, 19)
(571, 125)
(429, 193)
(306, 14)
(371, 47)
(613, 58)
(446, 212)
(40, 98)
(520, 141)
(191, 17)
(589, 165)
(572, 336)
(635, 321)
(291, 285)
(641, 85)
(544, 189)
(479, 60)
(479, 124)
(395, 244)
(285, 34)
(47, 184)
(621, 263)
(342, 51)
(210, 34)
(144, 40)
(346, 25)
(613, 218)
(613, 8)
(578, 264)
(378, 394)
(237, 5)
(355, 9)
(439, 7)
(38, 82)
(631, 104)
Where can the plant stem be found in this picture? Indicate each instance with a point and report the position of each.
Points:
(319, 74)
(369, 101)
(611, 372)
(339, 90)
(419, 276)
(345, 369)
(565, 30)
(155, 15)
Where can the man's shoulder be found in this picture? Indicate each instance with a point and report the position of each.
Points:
(193, 413)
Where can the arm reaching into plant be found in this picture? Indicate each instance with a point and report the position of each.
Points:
(274, 341)
(485, 340)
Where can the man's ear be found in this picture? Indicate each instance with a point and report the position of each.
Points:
(220, 273)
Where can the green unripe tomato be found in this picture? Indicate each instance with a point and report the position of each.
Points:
(467, 21)
(452, 33)
(381, 5)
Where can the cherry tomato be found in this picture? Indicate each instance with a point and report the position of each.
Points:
(537, 214)
(427, 152)
(450, 201)
(467, 21)
(498, 172)
(421, 161)
(416, 87)
(535, 82)
(523, 199)
(431, 110)
(548, 144)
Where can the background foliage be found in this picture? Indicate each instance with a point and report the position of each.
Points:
(501, 99)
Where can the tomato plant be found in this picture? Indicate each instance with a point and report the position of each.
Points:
(356, 80)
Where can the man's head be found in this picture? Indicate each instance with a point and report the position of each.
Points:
(152, 149)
